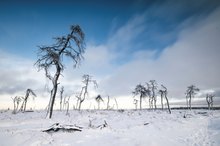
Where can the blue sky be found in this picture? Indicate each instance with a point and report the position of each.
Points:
(128, 42)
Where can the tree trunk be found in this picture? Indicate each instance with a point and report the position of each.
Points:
(162, 101)
(190, 102)
(55, 84)
(168, 105)
(140, 102)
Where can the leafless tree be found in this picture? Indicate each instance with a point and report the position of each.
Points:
(149, 95)
(164, 93)
(135, 103)
(142, 91)
(28, 92)
(153, 85)
(99, 99)
(190, 93)
(16, 102)
(66, 103)
(108, 101)
(161, 92)
(209, 100)
(84, 91)
(116, 103)
(61, 97)
(51, 57)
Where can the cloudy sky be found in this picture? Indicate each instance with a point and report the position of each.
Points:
(128, 42)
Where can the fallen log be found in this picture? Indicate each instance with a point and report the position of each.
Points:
(63, 128)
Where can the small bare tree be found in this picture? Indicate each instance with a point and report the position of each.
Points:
(99, 99)
(190, 93)
(28, 92)
(142, 91)
(135, 103)
(61, 97)
(209, 100)
(16, 102)
(72, 45)
(108, 101)
(84, 91)
(164, 93)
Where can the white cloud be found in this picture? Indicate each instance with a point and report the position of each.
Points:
(192, 59)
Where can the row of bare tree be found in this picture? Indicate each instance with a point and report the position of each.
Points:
(150, 91)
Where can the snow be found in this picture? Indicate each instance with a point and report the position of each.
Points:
(125, 127)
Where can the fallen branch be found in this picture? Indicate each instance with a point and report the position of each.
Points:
(64, 128)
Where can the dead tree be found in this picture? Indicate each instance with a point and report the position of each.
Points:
(16, 102)
(66, 104)
(153, 85)
(164, 93)
(71, 45)
(149, 95)
(190, 93)
(84, 91)
(135, 103)
(61, 97)
(161, 92)
(99, 99)
(28, 92)
(142, 91)
(116, 103)
(209, 100)
(108, 106)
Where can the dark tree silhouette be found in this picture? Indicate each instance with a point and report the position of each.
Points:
(209, 100)
(142, 91)
(72, 46)
(98, 99)
(190, 93)
(28, 92)
(84, 91)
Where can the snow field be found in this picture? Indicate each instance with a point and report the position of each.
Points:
(125, 127)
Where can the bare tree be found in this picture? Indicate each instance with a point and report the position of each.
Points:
(153, 85)
(209, 100)
(135, 103)
(140, 89)
(164, 93)
(116, 103)
(190, 93)
(161, 97)
(16, 102)
(66, 103)
(98, 99)
(84, 91)
(108, 106)
(61, 97)
(72, 45)
(28, 92)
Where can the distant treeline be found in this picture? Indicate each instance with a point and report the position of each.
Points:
(181, 108)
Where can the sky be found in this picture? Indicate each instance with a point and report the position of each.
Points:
(128, 42)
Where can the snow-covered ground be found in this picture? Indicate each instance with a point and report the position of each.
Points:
(125, 128)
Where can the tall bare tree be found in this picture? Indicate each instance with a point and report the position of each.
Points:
(28, 92)
(190, 93)
(71, 45)
(209, 100)
(142, 91)
(84, 91)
